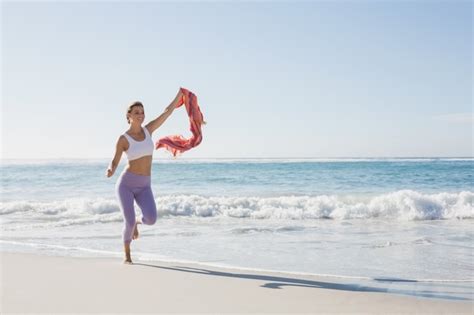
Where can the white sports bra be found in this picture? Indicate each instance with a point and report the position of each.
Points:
(138, 149)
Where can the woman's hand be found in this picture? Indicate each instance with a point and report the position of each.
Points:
(109, 172)
(176, 101)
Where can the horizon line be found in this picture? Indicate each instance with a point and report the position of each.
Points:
(254, 158)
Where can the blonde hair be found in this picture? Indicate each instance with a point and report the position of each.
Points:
(130, 108)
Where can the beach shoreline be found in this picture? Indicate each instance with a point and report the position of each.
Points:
(32, 283)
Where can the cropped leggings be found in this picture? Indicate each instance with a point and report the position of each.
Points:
(136, 187)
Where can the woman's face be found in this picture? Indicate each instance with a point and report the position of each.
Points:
(137, 114)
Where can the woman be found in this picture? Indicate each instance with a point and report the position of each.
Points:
(135, 181)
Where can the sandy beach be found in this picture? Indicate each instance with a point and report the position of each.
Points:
(47, 284)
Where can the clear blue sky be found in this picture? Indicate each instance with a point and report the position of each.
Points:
(274, 79)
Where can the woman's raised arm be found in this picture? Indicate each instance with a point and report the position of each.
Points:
(157, 122)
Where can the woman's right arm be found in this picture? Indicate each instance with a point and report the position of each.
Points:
(119, 148)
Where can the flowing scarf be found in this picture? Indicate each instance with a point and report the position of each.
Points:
(177, 144)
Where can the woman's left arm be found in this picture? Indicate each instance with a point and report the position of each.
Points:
(157, 122)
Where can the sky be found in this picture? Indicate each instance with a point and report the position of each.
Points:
(274, 79)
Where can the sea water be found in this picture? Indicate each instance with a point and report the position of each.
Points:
(361, 218)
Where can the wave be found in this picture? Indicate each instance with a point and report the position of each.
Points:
(405, 205)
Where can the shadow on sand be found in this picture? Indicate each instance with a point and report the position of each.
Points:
(275, 282)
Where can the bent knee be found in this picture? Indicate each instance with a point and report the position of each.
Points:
(153, 221)
(150, 219)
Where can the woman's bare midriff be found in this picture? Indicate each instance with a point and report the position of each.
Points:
(141, 166)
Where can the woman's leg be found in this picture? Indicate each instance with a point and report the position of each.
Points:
(146, 202)
(125, 197)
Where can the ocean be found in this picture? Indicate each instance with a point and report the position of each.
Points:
(397, 218)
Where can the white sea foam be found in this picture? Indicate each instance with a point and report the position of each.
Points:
(76, 206)
(403, 205)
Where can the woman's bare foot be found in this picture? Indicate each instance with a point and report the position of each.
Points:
(128, 256)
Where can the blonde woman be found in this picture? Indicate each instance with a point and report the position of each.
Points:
(134, 184)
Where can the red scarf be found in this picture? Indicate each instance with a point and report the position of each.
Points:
(177, 144)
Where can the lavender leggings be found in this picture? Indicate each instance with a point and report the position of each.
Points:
(132, 187)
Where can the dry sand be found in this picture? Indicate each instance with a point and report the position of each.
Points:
(45, 284)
